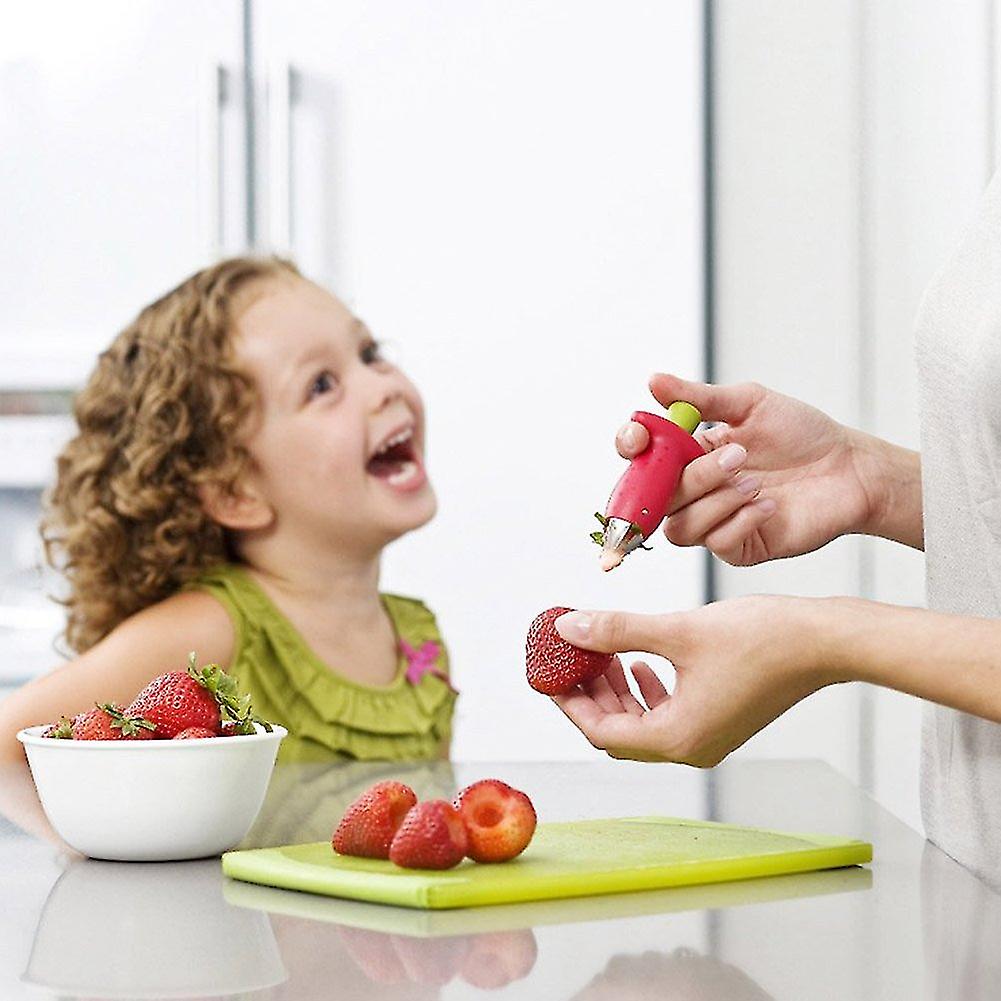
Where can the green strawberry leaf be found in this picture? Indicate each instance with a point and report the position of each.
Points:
(234, 706)
(599, 537)
(636, 528)
(63, 730)
(129, 725)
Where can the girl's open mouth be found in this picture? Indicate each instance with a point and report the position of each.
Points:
(396, 462)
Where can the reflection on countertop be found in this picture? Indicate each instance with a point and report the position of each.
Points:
(682, 975)
(915, 925)
(149, 930)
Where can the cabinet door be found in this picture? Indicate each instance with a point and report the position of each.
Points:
(116, 132)
(510, 195)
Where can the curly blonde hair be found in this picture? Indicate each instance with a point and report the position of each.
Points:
(160, 417)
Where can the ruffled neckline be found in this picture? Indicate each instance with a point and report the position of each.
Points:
(277, 620)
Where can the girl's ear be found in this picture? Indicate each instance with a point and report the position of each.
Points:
(239, 507)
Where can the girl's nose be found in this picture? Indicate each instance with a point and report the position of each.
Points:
(385, 390)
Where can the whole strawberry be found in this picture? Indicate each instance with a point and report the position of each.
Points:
(500, 820)
(432, 836)
(199, 697)
(107, 722)
(371, 821)
(62, 730)
(554, 666)
(195, 733)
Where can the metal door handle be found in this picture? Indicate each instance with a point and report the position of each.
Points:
(214, 95)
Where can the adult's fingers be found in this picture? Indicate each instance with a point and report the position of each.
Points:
(583, 711)
(714, 437)
(628, 735)
(716, 403)
(615, 632)
(631, 439)
(727, 539)
(707, 473)
(601, 691)
(616, 678)
(651, 687)
(690, 525)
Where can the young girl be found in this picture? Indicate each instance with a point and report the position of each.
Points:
(244, 455)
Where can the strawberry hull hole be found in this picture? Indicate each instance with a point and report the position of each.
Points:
(487, 816)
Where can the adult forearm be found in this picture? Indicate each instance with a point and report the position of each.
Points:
(954, 660)
(892, 475)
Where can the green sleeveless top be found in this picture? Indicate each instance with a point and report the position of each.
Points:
(327, 715)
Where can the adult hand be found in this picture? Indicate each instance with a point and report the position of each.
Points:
(735, 672)
(781, 478)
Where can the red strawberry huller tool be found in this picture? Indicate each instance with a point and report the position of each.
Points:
(643, 495)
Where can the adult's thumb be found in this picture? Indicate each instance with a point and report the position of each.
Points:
(715, 403)
(617, 632)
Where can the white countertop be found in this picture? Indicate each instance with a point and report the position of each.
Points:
(915, 925)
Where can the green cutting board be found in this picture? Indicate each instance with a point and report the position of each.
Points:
(573, 859)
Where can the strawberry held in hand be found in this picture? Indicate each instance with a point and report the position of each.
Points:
(372, 820)
(500, 820)
(432, 836)
(554, 666)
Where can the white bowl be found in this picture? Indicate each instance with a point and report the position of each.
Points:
(152, 800)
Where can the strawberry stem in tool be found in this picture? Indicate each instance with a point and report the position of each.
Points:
(599, 537)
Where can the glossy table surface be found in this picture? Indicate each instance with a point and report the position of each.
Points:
(913, 925)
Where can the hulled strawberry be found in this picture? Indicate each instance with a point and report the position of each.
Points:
(197, 697)
(107, 722)
(500, 820)
(372, 820)
(554, 666)
(432, 836)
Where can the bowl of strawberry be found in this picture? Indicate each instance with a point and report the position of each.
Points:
(179, 773)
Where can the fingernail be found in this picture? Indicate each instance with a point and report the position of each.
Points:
(766, 504)
(628, 436)
(747, 484)
(574, 627)
(731, 457)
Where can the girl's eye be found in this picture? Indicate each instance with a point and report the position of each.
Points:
(323, 383)
(372, 353)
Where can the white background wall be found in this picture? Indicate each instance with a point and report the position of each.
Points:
(854, 141)
(513, 201)
(509, 194)
(516, 208)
